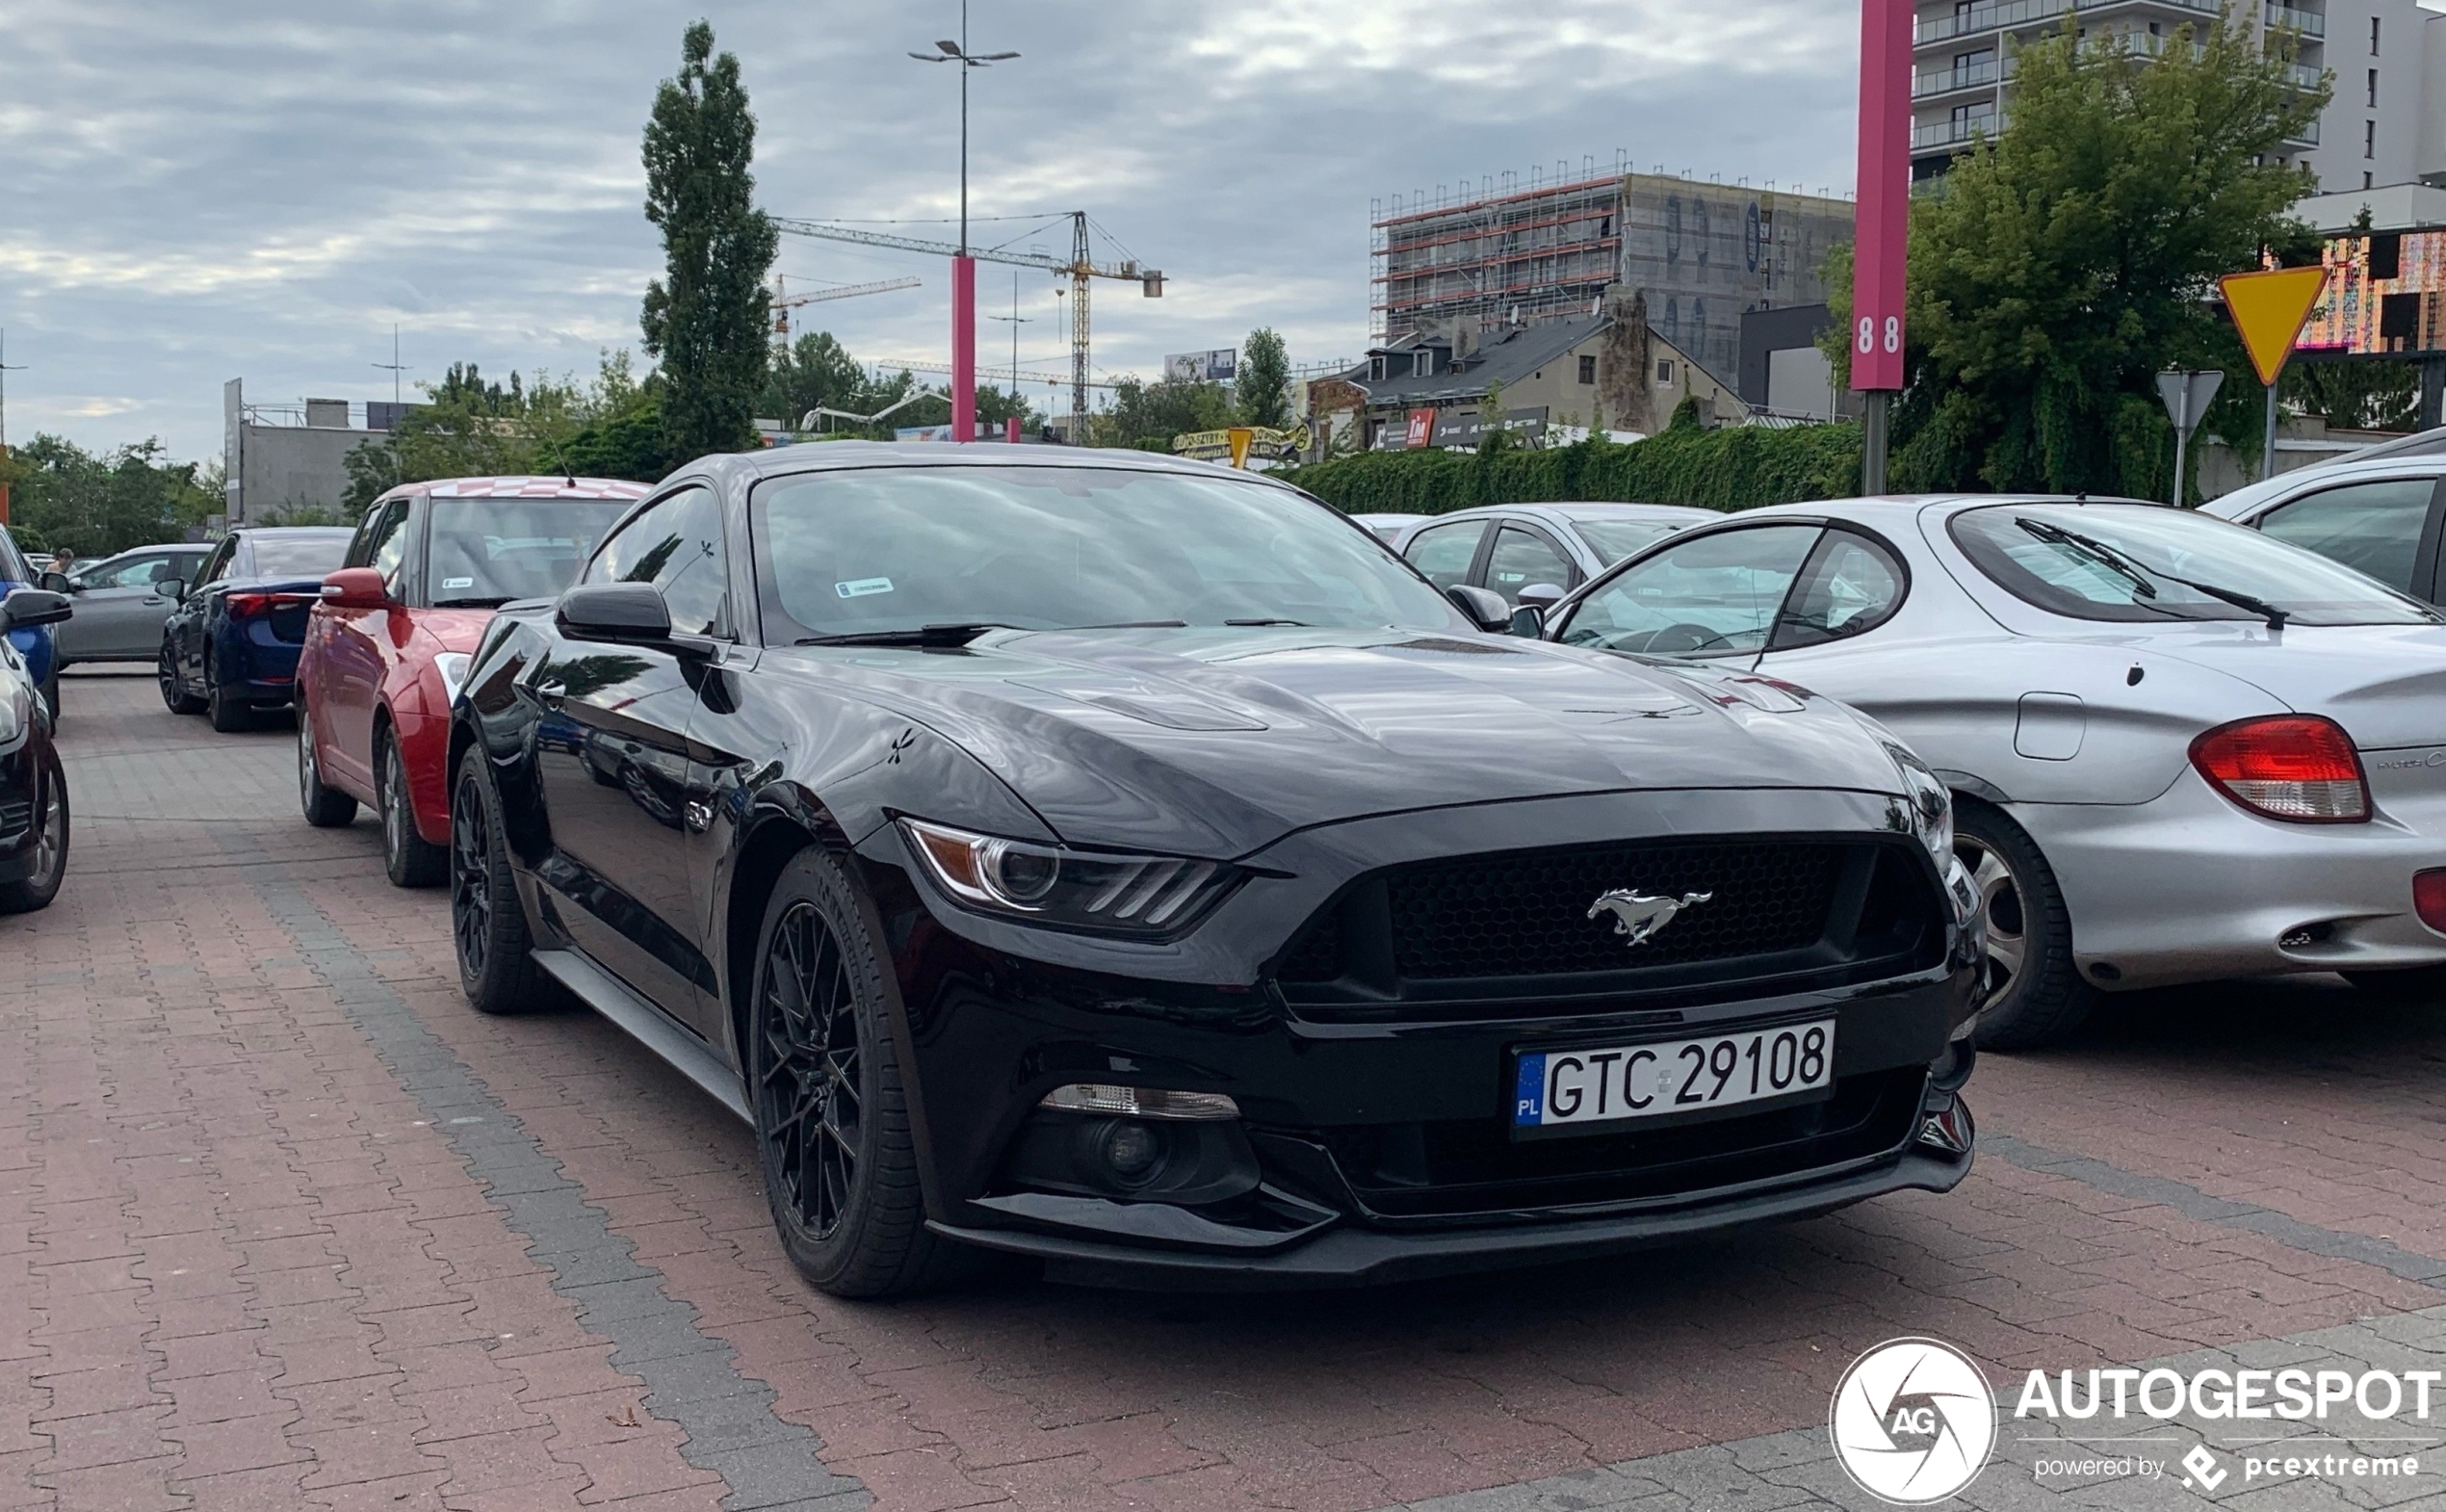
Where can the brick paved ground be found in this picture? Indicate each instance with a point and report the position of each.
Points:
(283, 1224)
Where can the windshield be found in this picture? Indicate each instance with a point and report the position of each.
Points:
(2132, 561)
(1614, 539)
(299, 555)
(1041, 548)
(481, 552)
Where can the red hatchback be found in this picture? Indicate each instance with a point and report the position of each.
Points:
(389, 643)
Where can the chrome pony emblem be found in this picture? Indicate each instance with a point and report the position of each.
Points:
(1640, 918)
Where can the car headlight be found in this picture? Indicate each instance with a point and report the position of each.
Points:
(1111, 893)
(17, 708)
(1928, 805)
(453, 666)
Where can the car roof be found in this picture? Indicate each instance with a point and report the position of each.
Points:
(293, 530)
(782, 461)
(552, 486)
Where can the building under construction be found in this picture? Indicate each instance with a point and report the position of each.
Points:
(1703, 253)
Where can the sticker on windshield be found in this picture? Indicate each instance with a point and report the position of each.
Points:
(863, 587)
(458, 583)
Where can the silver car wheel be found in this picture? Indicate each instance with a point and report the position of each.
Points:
(2000, 904)
(306, 773)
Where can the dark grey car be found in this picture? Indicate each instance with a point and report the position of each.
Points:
(119, 605)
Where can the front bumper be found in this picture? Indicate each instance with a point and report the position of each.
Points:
(2189, 887)
(1379, 1144)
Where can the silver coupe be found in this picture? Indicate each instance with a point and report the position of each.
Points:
(2180, 750)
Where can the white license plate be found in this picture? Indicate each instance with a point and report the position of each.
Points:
(1576, 1087)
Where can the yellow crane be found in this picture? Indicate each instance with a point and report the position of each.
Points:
(1080, 267)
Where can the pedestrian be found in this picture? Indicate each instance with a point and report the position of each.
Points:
(62, 561)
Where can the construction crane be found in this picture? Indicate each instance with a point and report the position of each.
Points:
(784, 302)
(1079, 268)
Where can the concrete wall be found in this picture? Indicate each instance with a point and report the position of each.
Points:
(276, 469)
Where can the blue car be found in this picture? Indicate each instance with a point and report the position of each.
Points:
(231, 645)
(35, 643)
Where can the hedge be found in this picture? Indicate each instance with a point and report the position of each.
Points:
(1734, 468)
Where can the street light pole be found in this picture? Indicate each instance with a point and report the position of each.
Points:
(963, 266)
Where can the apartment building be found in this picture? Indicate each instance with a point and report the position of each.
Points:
(2385, 126)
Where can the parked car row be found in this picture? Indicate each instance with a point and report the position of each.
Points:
(1138, 866)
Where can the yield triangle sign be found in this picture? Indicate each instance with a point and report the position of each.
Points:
(2269, 310)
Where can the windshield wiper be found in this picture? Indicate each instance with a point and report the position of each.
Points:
(1252, 624)
(2048, 530)
(923, 636)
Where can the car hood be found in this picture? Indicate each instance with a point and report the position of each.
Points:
(2384, 684)
(1220, 742)
(453, 629)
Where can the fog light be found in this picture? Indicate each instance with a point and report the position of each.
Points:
(2429, 899)
(1140, 1102)
(1130, 1150)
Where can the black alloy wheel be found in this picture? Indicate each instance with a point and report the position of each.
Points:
(2036, 996)
(832, 1119)
(408, 858)
(325, 808)
(174, 695)
(49, 865)
(497, 969)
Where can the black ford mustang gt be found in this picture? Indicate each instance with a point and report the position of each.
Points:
(1134, 865)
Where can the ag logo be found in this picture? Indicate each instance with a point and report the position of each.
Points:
(1912, 1422)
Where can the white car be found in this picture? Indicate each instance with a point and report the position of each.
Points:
(1512, 549)
(2379, 515)
(2180, 750)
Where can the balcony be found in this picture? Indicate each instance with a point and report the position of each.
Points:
(2309, 23)
(1938, 135)
(1946, 81)
(1993, 15)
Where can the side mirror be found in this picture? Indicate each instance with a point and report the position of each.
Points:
(1529, 622)
(1485, 608)
(174, 590)
(58, 582)
(29, 607)
(355, 587)
(623, 613)
(1538, 595)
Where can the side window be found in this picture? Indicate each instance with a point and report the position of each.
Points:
(217, 565)
(133, 573)
(387, 548)
(361, 545)
(1445, 552)
(677, 546)
(1521, 559)
(1852, 586)
(2373, 527)
(1713, 596)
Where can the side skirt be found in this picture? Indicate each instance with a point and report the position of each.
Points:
(649, 1026)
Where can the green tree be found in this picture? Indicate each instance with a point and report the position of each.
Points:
(1152, 414)
(2060, 265)
(62, 496)
(816, 372)
(708, 317)
(1263, 391)
(472, 427)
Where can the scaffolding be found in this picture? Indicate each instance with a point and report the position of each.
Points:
(1519, 249)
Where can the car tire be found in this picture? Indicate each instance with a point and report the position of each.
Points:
(488, 931)
(824, 1084)
(325, 808)
(230, 713)
(2037, 996)
(408, 858)
(2417, 984)
(174, 695)
(41, 884)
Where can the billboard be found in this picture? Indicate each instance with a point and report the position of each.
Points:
(2385, 296)
(1219, 366)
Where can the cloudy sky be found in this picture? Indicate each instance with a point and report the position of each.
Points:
(195, 190)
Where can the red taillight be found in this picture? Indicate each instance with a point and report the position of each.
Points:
(2429, 899)
(2292, 767)
(246, 606)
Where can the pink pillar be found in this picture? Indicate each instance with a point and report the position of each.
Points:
(1885, 194)
(963, 349)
